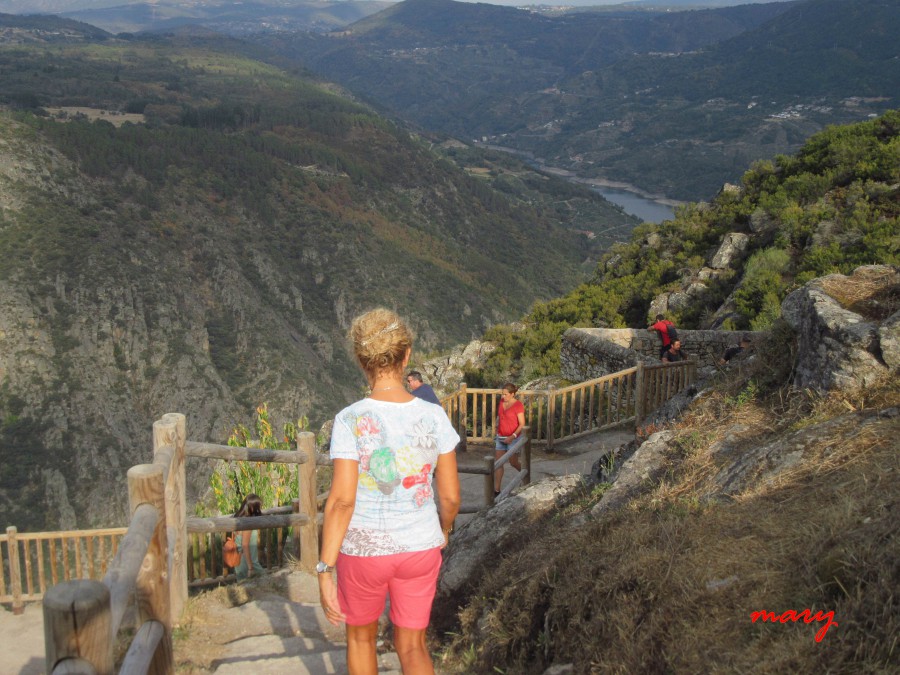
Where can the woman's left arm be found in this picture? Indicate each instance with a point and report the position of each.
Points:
(520, 418)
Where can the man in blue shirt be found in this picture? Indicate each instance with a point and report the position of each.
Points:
(419, 389)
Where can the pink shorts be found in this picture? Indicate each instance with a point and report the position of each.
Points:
(411, 579)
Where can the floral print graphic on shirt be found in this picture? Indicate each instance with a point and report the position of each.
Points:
(397, 446)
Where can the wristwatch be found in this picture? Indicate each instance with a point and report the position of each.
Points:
(323, 568)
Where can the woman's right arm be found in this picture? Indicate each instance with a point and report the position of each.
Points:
(338, 511)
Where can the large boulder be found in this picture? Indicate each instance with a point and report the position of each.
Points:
(733, 246)
(839, 347)
(674, 301)
(478, 543)
(639, 473)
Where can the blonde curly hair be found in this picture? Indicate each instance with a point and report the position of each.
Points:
(380, 340)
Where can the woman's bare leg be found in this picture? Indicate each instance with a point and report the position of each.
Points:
(498, 473)
(414, 656)
(361, 656)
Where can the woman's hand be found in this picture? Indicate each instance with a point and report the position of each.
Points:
(328, 599)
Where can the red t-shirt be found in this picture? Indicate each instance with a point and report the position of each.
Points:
(509, 418)
(663, 328)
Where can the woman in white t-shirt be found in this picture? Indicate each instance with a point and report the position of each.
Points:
(382, 529)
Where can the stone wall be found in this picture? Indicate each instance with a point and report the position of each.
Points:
(587, 353)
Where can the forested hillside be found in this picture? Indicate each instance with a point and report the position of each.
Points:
(831, 207)
(187, 229)
(675, 103)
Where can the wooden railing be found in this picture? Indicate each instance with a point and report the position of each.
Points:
(522, 446)
(31, 562)
(556, 415)
(34, 561)
(82, 617)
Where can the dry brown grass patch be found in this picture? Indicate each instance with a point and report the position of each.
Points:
(874, 294)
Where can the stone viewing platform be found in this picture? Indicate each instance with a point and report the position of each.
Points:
(593, 352)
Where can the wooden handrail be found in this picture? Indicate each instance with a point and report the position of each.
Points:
(234, 454)
(121, 578)
(232, 524)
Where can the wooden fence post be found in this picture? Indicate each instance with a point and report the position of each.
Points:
(463, 416)
(15, 572)
(527, 454)
(77, 625)
(165, 441)
(551, 416)
(306, 475)
(145, 486)
(639, 394)
(176, 518)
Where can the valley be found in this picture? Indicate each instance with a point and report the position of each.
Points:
(674, 103)
(207, 253)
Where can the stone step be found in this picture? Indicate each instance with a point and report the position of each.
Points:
(277, 655)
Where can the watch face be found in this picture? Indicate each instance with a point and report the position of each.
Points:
(321, 568)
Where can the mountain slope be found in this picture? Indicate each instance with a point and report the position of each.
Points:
(187, 229)
(830, 208)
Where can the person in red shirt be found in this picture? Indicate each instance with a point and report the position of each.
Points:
(667, 333)
(510, 422)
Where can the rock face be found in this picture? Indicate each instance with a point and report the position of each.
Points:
(639, 472)
(838, 347)
(763, 464)
(733, 246)
(480, 540)
(446, 372)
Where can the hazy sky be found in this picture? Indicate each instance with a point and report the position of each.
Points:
(589, 3)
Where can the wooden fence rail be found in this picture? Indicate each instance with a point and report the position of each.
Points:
(557, 415)
(523, 446)
(34, 561)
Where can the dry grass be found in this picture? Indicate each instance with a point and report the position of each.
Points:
(875, 294)
(668, 584)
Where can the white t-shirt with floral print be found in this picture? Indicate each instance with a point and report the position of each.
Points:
(397, 447)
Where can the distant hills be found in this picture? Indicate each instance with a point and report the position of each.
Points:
(223, 16)
(185, 228)
(623, 96)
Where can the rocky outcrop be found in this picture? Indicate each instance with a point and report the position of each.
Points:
(733, 246)
(838, 347)
(761, 465)
(889, 340)
(640, 472)
(478, 542)
(444, 373)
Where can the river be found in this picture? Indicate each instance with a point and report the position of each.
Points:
(634, 201)
(648, 210)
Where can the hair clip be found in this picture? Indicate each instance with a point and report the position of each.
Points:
(387, 329)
